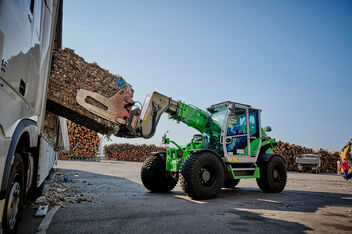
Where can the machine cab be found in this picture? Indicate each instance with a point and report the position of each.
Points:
(240, 131)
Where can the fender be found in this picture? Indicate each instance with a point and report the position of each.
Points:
(23, 126)
(267, 157)
(161, 154)
(197, 151)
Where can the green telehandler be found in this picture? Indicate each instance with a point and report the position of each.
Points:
(231, 146)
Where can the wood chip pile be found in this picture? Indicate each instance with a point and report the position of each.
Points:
(291, 151)
(69, 73)
(84, 143)
(129, 152)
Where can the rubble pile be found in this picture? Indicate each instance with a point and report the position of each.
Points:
(84, 143)
(291, 151)
(59, 190)
(129, 152)
(69, 73)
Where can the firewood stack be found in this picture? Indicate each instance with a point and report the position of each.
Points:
(69, 73)
(129, 152)
(84, 143)
(328, 160)
(139, 153)
(291, 151)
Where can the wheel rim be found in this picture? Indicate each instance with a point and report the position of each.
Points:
(276, 174)
(13, 204)
(207, 176)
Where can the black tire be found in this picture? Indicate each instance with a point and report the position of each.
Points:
(155, 177)
(202, 175)
(231, 183)
(273, 175)
(14, 196)
(34, 192)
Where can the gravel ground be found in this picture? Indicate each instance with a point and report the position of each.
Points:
(119, 203)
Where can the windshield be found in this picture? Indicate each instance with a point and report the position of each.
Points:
(212, 130)
(219, 116)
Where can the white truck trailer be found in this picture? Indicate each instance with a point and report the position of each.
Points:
(29, 135)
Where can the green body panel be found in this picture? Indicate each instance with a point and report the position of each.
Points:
(255, 147)
(268, 145)
(256, 174)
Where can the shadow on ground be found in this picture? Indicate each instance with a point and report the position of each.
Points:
(120, 205)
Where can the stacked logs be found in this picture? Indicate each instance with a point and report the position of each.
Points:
(84, 143)
(291, 151)
(139, 153)
(129, 152)
(328, 160)
(69, 73)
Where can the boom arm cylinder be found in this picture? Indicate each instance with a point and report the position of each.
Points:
(190, 115)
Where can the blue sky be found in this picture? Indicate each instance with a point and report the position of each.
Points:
(292, 59)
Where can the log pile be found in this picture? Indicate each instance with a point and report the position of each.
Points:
(129, 152)
(291, 151)
(84, 143)
(328, 160)
(139, 153)
(69, 73)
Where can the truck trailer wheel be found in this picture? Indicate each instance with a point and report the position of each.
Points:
(202, 175)
(14, 196)
(273, 175)
(155, 177)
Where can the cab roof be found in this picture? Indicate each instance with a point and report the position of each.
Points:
(226, 103)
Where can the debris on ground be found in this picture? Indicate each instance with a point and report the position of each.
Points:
(59, 190)
(41, 211)
(66, 179)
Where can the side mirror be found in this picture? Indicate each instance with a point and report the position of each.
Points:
(211, 110)
(164, 139)
(267, 129)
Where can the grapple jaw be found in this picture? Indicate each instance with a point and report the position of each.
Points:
(116, 109)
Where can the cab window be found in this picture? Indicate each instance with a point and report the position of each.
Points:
(253, 123)
(237, 124)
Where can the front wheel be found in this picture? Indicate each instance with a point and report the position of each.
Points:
(14, 196)
(155, 177)
(273, 175)
(202, 175)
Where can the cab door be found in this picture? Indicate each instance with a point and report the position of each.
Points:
(242, 130)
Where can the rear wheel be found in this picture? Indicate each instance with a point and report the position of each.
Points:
(155, 177)
(273, 175)
(202, 175)
(14, 196)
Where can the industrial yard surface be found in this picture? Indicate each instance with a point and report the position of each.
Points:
(115, 201)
